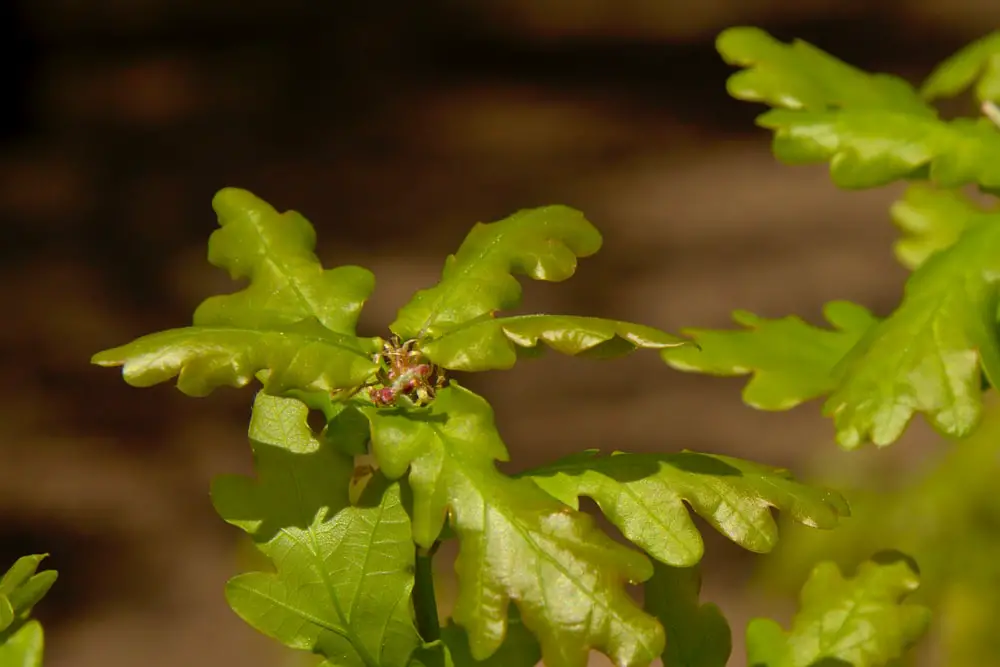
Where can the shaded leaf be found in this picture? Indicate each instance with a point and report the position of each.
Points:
(978, 63)
(791, 361)
(542, 243)
(861, 621)
(6, 613)
(697, 634)
(933, 220)
(801, 76)
(519, 648)
(516, 542)
(644, 496)
(294, 319)
(930, 354)
(344, 573)
(24, 648)
(492, 344)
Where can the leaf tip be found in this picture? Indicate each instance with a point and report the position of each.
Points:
(230, 203)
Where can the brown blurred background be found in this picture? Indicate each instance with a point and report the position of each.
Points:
(393, 127)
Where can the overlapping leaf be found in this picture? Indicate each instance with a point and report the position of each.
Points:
(516, 542)
(791, 361)
(478, 280)
(344, 573)
(698, 634)
(294, 319)
(801, 76)
(934, 220)
(978, 63)
(489, 344)
(870, 129)
(861, 621)
(21, 588)
(647, 497)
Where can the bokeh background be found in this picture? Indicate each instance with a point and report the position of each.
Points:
(393, 127)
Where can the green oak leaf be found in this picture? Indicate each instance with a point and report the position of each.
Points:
(791, 361)
(478, 280)
(519, 648)
(861, 621)
(344, 573)
(978, 63)
(23, 648)
(516, 542)
(930, 354)
(801, 76)
(490, 344)
(934, 220)
(294, 319)
(646, 496)
(698, 634)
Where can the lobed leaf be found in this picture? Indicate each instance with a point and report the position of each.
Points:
(516, 542)
(978, 63)
(344, 573)
(791, 361)
(933, 220)
(542, 243)
(930, 354)
(294, 319)
(801, 76)
(646, 496)
(698, 634)
(861, 621)
(491, 344)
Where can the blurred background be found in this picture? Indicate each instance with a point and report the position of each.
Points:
(393, 127)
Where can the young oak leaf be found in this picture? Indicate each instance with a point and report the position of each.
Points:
(23, 648)
(21, 588)
(861, 621)
(542, 243)
(519, 648)
(698, 634)
(791, 361)
(930, 354)
(516, 542)
(801, 76)
(646, 496)
(294, 318)
(933, 220)
(490, 344)
(344, 573)
(978, 63)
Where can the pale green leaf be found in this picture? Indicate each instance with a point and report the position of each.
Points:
(646, 496)
(791, 361)
(479, 279)
(801, 76)
(490, 344)
(698, 634)
(21, 588)
(344, 573)
(24, 648)
(934, 220)
(860, 621)
(294, 320)
(978, 63)
(929, 356)
(516, 542)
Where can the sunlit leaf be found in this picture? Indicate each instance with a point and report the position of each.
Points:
(978, 63)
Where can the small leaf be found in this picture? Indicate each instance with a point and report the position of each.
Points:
(294, 320)
(542, 243)
(516, 542)
(934, 220)
(22, 587)
(860, 621)
(697, 634)
(791, 361)
(801, 76)
(18, 573)
(930, 354)
(644, 496)
(304, 356)
(978, 63)
(344, 573)
(493, 344)
(24, 648)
